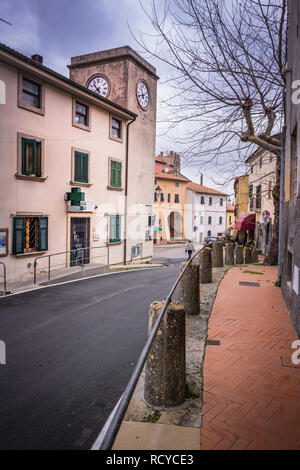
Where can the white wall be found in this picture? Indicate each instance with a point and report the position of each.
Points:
(197, 214)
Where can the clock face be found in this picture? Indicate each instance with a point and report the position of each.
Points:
(142, 94)
(99, 85)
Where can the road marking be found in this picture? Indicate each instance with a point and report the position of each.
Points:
(84, 306)
(76, 280)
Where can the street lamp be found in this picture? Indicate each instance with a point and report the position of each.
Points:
(157, 191)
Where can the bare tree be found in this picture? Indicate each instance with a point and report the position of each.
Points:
(228, 59)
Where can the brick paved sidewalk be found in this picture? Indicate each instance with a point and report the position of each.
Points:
(250, 400)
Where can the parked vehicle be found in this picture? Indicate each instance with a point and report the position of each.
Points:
(209, 241)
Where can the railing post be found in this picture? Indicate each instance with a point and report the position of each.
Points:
(239, 254)
(188, 289)
(4, 276)
(248, 255)
(4, 273)
(165, 367)
(229, 254)
(217, 255)
(205, 266)
(34, 272)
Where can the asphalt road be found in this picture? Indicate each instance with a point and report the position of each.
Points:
(70, 353)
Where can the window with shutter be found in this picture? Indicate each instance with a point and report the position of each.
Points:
(31, 157)
(114, 231)
(81, 165)
(18, 235)
(115, 174)
(30, 234)
(43, 234)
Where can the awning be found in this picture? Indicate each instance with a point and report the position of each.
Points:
(246, 222)
(157, 228)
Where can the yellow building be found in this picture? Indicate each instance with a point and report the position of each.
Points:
(169, 202)
(241, 190)
(230, 218)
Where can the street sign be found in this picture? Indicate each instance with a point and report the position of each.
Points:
(266, 214)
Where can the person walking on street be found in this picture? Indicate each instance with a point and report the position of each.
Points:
(189, 248)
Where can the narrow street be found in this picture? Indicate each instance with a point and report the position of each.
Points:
(70, 353)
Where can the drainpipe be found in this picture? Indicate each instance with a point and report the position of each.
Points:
(281, 202)
(282, 167)
(126, 188)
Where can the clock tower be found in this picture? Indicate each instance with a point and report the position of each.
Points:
(124, 77)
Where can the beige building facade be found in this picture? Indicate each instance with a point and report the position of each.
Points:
(261, 180)
(77, 166)
(169, 199)
(289, 249)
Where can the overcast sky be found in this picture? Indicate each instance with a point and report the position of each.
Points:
(60, 29)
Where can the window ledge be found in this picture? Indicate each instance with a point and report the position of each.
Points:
(114, 188)
(117, 139)
(81, 126)
(41, 179)
(77, 183)
(114, 243)
(31, 253)
(33, 109)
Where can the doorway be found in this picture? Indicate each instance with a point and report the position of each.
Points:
(80, 241)
(174, 220)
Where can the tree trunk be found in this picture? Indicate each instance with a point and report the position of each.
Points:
(272, 258)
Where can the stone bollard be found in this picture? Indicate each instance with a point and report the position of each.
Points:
(248, 255)
(239, 254)
(188, 289)
(205, 268)
(229, 254)
(254, 255)
(165, 367)
(217, 255)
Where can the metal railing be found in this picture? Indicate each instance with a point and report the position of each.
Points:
(4, 276)
(78, 257)
(123, 403)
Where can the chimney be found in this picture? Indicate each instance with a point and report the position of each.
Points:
(177, 163)
(37, 58)
(201, 179)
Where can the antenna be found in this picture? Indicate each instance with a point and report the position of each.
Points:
(7, 22)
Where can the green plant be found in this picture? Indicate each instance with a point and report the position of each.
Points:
(190, 392)
(154, 417)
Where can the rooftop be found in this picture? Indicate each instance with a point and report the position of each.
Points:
(204, 189)
(42, 69)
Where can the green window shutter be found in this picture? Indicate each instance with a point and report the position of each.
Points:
(118, 228)
(85, 167)
(18, 235)
(115, 228)
(43, 234)
(209, 220)
(119, 174)
(115, 174)
(81, 165)
(112, 173)
(112, 228)
(202, 199)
